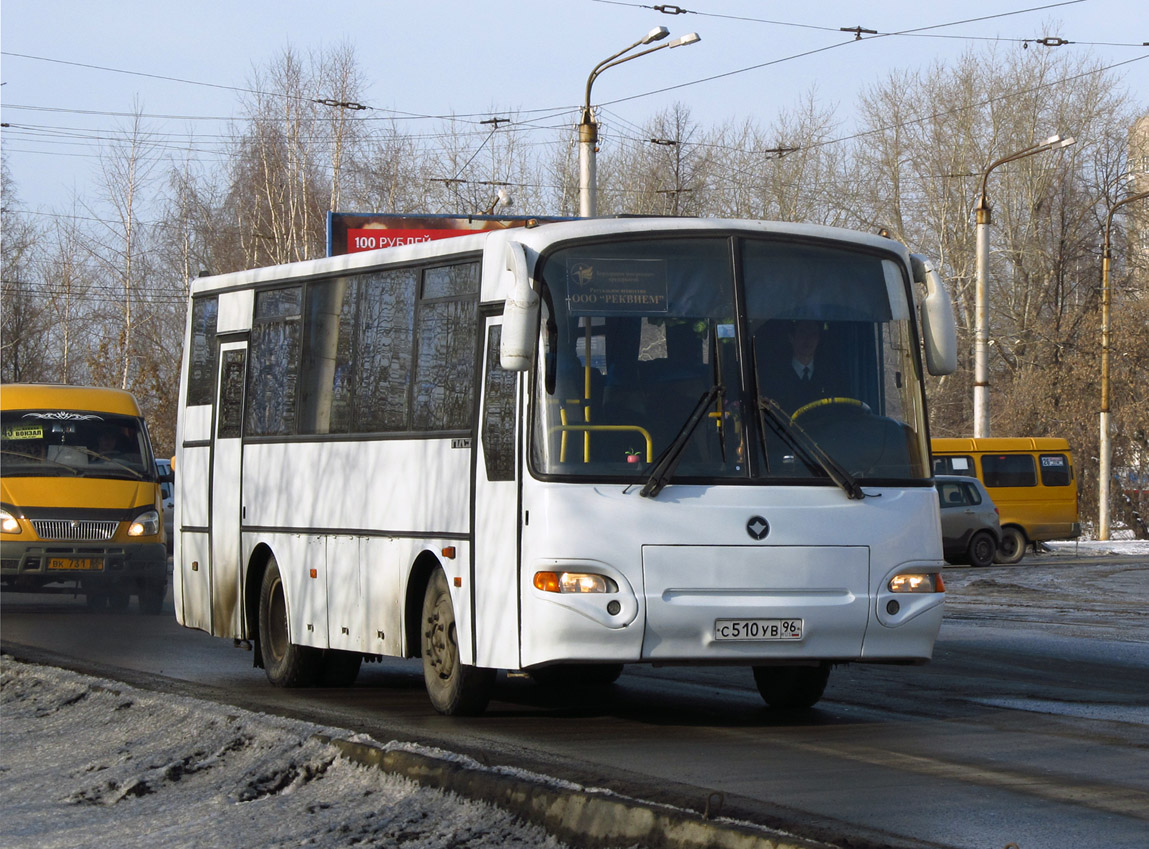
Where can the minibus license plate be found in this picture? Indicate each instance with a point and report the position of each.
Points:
(758, 629)
(77, 564)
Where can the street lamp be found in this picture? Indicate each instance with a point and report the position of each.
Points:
(981, 321)
(1105, 449)
(588, 126)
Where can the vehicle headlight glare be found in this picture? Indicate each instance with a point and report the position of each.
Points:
(574, 582)
(917, 582)
(145, 525)
(8, 523)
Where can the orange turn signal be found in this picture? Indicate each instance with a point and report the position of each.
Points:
(548, 582)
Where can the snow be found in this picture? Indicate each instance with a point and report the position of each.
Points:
(1123, 545)
(156, 770)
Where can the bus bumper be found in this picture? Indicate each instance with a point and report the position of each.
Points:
(36, 566)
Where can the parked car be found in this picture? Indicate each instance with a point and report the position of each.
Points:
(168, 489)
(971, 527)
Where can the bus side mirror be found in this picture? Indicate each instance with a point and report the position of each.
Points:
(520, 314)
(939, 332)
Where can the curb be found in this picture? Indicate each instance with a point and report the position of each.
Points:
(594, 820)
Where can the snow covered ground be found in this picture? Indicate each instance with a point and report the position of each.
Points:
(141, 769)
(1124, 544)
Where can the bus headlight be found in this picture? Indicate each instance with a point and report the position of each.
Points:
(918, 582)
(574, 582)
(146, 524)
(8, 523)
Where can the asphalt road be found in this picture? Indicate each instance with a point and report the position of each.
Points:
(1030, 726)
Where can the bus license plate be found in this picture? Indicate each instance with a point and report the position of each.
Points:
(77, 564)
(758, 629)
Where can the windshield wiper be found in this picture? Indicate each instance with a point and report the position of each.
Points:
(802, 442)
(41, 460)
(111, 460)
(796, 437)
(667, 461)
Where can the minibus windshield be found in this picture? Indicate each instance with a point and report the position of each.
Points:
(55, 443)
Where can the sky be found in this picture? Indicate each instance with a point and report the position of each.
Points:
(73, 72)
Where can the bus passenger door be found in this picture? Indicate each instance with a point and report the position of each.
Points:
(495, 557)
(226, 493)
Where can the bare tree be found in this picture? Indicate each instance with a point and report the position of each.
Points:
(23, 317)
(126, 167)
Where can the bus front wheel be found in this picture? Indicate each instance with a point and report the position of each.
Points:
(455, 688)
(1012, 547)
(286, 664)
(791, 687)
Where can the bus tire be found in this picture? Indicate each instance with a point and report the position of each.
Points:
(791, 687)
(455, 689)
(119, 598)
(1012, 547)
(286, 664)
(981, 549)
(152, 596)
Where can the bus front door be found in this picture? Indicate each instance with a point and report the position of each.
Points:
(226, 493)
(495, 521)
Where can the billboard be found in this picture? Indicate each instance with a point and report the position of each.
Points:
(351, 232)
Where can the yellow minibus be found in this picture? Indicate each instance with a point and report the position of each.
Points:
(1030, 479)
(81, 507)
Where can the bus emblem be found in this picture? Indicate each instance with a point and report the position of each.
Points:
(757, 527)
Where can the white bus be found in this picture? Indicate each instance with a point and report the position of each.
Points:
(556, 450)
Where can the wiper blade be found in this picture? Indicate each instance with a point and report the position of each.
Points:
(667, 461)
(113, 461)
(41, 461)
(796, 436)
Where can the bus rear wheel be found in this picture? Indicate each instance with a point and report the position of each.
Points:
(286, 664)
(1012, 547)
(791, 687)
(455, 689)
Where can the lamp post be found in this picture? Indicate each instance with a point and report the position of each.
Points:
(981, 320)
(1104, 448)
(588, 126)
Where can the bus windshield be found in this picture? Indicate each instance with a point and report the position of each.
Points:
(747, 359)
(51, 443)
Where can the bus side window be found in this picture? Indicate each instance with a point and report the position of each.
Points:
(1008, 470)
(948, 465)
(1054, 470)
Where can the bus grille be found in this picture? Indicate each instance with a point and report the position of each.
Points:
(74, 531)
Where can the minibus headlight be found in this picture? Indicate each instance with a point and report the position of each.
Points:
(917, 582)
(146, 524)
(8, 523)
(574, 582)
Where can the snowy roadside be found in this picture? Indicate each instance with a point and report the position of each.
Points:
(142, 769)
(86, 762)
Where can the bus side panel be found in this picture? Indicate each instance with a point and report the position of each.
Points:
(386, 487)
(380, 572)
(345, 599)
(1044, 512)
(191, 590)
